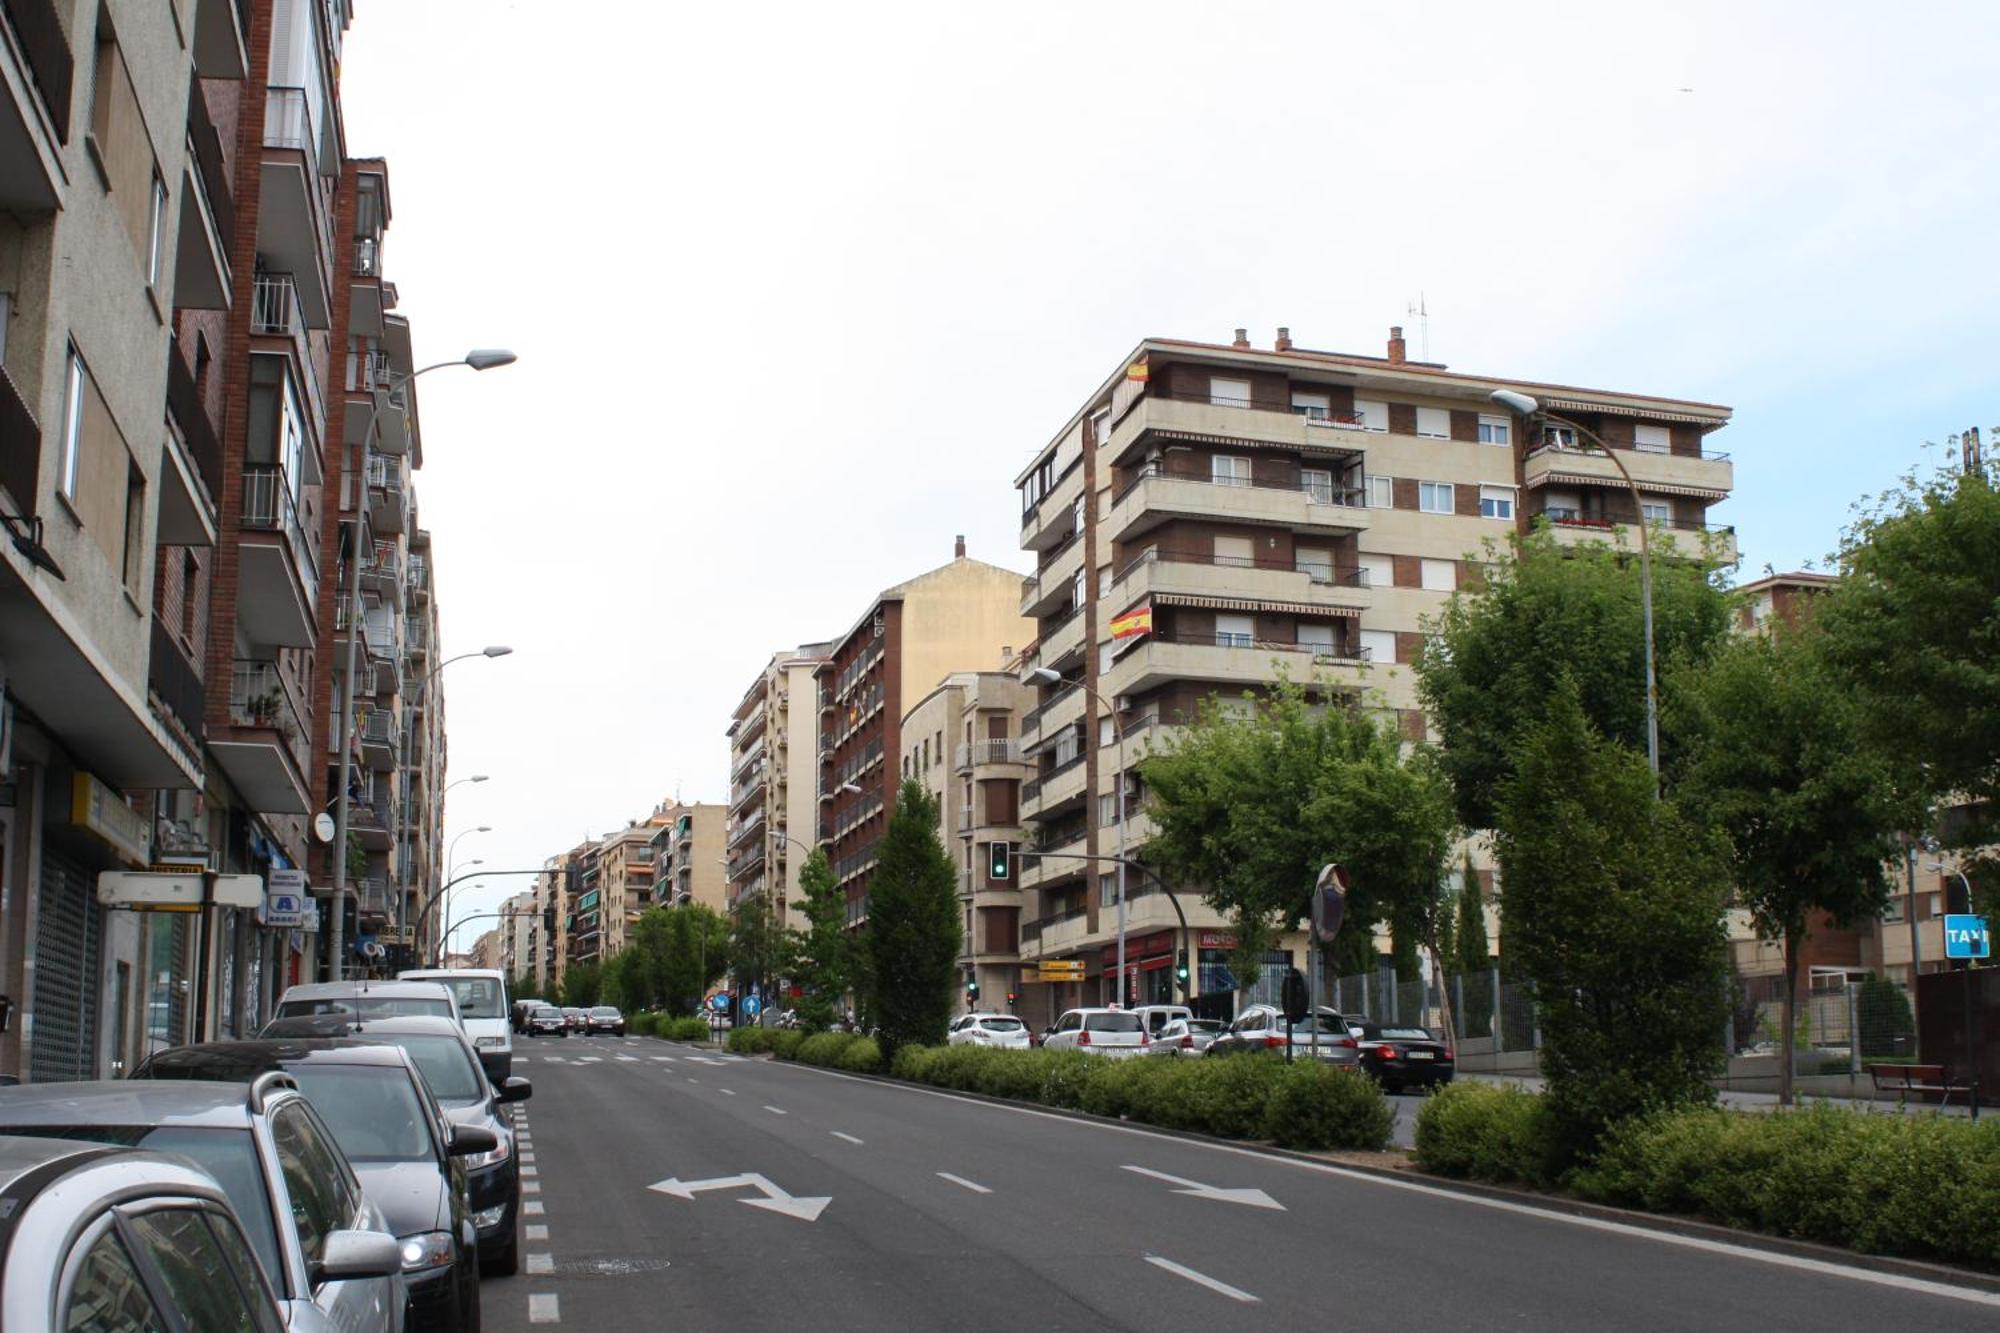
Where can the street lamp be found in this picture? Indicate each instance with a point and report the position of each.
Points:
(479, 358)
(459, 782)
(452, 850)
(1048, 676)
(1527, 408)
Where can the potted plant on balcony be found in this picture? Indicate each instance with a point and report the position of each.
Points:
(263, 707)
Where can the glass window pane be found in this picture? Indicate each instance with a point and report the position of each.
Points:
(197, 1275)
(308, 1180)
(108, 1296)
(374, 1113)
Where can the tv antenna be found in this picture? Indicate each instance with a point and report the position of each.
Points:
(1421, 314)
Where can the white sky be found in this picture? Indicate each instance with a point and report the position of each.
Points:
(797, 289)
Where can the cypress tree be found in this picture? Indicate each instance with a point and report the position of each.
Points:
(913, 926)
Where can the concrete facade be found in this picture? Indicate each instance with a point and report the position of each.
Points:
(773, 788)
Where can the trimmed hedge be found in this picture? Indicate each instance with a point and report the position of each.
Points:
(681, 1029)
(1488, 1131)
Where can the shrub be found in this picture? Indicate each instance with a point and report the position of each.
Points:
(750, 1041)
(685, 1029)
(785, 1042)
(826, 1048)
(1063, 1076)
(1227, 1096)
(912, 1062)
(1487, 1132)
(639, 1025)
(862, 1056)
(1318, 1106)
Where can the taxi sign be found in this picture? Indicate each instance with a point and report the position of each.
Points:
(1967, 936)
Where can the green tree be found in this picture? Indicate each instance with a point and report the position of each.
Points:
(1540, 614)
(581, 984)
(1888, 1028)
(1472, 955)
(1613, 913)
(820, 956)
(693, 954)
(759, 946)
(913, 928)
(523, 986)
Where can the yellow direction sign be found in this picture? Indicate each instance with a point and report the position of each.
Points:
(1064, 970)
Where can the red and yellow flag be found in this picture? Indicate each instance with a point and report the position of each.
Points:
(1137, 371)
(1136, 621)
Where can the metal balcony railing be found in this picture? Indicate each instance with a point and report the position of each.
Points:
(288, 123)
(367, 257)
(274, 306)
(260, 697)
(269, 505)
(991, 751)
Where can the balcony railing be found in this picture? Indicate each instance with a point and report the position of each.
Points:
(1576, 518)
(175, 680)
(209, 172)
(268, 505)
(1316, 492)
(274, 306)
(197, 431)
(1558, 447)
(367, 257)
(1000, 751)
(1336, 651)
(260, 697)
(1319, 572)
(20, 448)
(379, 728)
(46, 47)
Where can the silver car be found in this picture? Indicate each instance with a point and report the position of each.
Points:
(322, 1244)
(1185, 1036)
(1117, 1033)
(998, 1030)
(1262, 1028)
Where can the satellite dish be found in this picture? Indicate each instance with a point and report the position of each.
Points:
(323, 826)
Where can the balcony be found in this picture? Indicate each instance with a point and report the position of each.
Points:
(1061, 713)
(1694, 539)
(1048, 588)
(1062, 640)
(1064, 931)
(420, 580)
(278, 578)
(978, 754)
(1228, 660)
(748, 797)
(1159, 495)
(1202, 578)
(372, 822)
(1711, 476)
(373, 897)
(1058, 790)
(388, 506)
(1052, 520)
(191, 464)
(173, 679)
(265, 754)
(380, 737)
(35, 109)
(20, 449)
(277, 311)
(218, 39)
(292, 230)
(1249, 425)
(417, 641)
(746, 828)
(382, 574)
(201, 244)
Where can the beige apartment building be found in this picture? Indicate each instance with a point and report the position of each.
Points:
(688, 854)
(957, 617)
(774, 781)
(976, 775)
(1239, 511)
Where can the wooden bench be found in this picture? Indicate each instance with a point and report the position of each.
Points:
(1927, 1082)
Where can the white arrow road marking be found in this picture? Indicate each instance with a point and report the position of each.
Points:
(961, 1180)
(1255, 1198)
(1201, 1279)
(775, 1200)
(543, 1308)
(849, 1137)
(540, 1263)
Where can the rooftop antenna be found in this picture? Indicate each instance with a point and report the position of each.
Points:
(1422, 316)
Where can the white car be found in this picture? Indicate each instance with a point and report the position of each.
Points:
(1117, 1033)
(1000, 1030)
(481, 994)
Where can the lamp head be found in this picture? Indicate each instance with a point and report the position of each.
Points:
(484, 828)
(486, 358)
(477, 777)
(1041, 676)
(496, 650)
(1515, 402)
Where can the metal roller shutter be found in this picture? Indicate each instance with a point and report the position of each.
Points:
(69, 943)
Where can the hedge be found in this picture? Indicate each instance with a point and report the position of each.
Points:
(1488, 1131)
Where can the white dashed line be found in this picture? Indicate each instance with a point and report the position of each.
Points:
(961, 1181)
(1201, 1279)
(531, 1171)
(540, 1264)
(543, 1308)
(775, 1110)
(531, 1187)
(628, 1059)
(537, 1231)
(727, 1092)
(849, 1137)
(664, 1059)
(533, 1208)
(694, 1080)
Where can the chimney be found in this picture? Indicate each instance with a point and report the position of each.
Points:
(1284, 342)
(958, 547)
(1242, 343)
(1396, 352)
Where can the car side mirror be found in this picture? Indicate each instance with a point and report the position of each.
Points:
(359, 1254)
(515, 1090)
(469, 1140)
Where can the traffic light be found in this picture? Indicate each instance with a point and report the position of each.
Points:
(1180, 969)
(972, 990)
(1012, 999)
(1000, 863)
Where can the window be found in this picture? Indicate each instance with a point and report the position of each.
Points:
(1378, 646)
(1440, 575)
(1434, 423)
(1228, 393)
(1235, 631)
(1560, 437)
(1374, 414)
(1656, 512)
(1107, 892)
(135, 524)
(1318, 636)
(1496, 502)
(157, 234)
(1381, 492)
(1078, 588)
(1107, 809)
(1100, 427)
(1435, 497)
(196, 1271)
(72, 427)
(1229, 470)
(1315, 564)
(1652, 439)
(303, 1159)
(1107, 732)
(1495, 430)
(1317, 483)
(1104, 574)
(1377, 571)
(1234, 552)
(1312, 406)
(108, 1295)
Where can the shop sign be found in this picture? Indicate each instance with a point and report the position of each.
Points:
(102, 813)
(1218, 939)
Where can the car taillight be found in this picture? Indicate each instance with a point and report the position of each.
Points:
(1083, 1038)
(1273, 1041)
(1145, 1039)
(1350, 1044)
(1447, 1053)
(1187, 1043)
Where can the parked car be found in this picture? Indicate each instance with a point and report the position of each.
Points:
(1110, 1032)
(133, 1230)
(1186, 1036)
(1262, 1028)
(1401, 1055)
(367, 999)
(604, 1018)
(482, 1011)
(406, 1153)
(547, 1020)
(518, 1013)
(576, 1020)
(1000, 1030)
(1157, 1016)
(451, 1071)
(320, 1240)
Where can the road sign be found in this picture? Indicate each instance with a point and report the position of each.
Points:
(182, 891)
(1062, 969)
(718, 1002)
(1967, 936)
(751, 1004)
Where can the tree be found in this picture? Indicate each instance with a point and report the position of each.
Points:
(1472, 955)
(1613, 914)
(1775, 756)
(758, 946)
(1542, 613)
(628, 978)
(692, 943)
(820, 956)
(581, 984)
(913, 929)
(523, 986)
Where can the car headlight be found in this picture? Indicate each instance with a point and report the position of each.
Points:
(426, 1249)
(490, 1042)
(477, 1161)
(489, 1217)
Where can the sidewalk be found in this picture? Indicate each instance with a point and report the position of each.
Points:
(1753, 1101)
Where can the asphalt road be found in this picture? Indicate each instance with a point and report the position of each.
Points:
(799, 1199)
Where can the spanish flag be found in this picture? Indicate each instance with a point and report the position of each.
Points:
(1137, 371)
(1136, 621)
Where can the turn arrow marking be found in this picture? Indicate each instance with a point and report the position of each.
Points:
(1253, 1197)
(775, 1199)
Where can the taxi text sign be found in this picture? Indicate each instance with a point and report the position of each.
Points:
(1967, 936)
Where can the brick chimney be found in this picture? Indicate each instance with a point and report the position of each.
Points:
(1397, 355)
(1284, 342)
(958, 547)
(1242, 343)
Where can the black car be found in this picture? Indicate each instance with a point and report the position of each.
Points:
(545, 1021)
(407, 1155)
(1401, 1055)
(604, 1018)
(450, 1068)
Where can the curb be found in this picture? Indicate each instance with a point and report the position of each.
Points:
(1665, 1223)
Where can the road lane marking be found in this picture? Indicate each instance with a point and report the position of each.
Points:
(533, 1208)
(1254, 1197)
(694, 1080)
(531, 1187)
(526, 1157)
(849, 1137)
(531, 1170)
(774, 1110)
(544, 1308)
(972, 1185)
(727, 1092)
(628, 1059)
(776, 1198)
(537, 1231)
(538, 1264)
(664, 1059)
(1201, 1279)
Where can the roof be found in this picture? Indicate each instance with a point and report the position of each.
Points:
(19, 1155)
(1795, 579)
(341, 990)
(239, 1060)
(894, 593)
(328, 1025)
(128, 1102)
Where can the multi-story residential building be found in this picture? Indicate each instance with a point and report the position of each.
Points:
(1214, 514)
(688, 857)
(976, 777)
(555, 893)
(585, 935)
(626, 861)
(774, 781)
(487, 950)
(960, 616)
(519, 929)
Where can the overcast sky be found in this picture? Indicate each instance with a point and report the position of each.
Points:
(797, 289)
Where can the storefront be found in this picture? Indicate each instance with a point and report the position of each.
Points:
(1149, 970)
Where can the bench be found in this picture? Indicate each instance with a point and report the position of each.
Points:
(1925, 1081)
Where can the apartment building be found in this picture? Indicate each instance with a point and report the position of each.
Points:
(519, 929)
(1214, 514)
(555, 895)
(688, 842)
(975, 775)
(958, 616)
(774, 781)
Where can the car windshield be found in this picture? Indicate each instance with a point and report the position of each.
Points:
(374, 1113)
(368, 1006)
(1325, 1022)
(1001, 1024)
(478, 997)
(604, 1011)
(1111, 1022)
(1205, 1024)
(1404, 1034)
(452, 1075)
(230, 1155)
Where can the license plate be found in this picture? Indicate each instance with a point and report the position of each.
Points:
(1419, 1055)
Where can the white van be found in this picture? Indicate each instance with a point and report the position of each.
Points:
(1156, 1016)
(482, 1011)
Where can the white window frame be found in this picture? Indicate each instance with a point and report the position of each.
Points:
(1381, 492)
(1429, 492)
(1559, 437)
(1233, 637)
(1656, 511)
(70, 461)
(1312, 406)
(1378, 646)
(1496, 501)
(1434, 423)
(156, 258)
(1496, 430)
(1377, 571)
(1650, 439)
(1373, 414)
(1218, 398)
(1438, 575)
(1236, 474)
(1317, 483)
